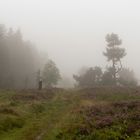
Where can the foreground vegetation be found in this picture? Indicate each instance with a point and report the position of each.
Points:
(105, 113)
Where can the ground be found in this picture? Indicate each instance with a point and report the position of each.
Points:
(100, 113)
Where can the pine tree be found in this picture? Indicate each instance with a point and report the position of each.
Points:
(114, 53)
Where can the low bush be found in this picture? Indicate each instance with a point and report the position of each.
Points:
(11, 122)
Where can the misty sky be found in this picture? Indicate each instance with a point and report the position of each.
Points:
(72, 32)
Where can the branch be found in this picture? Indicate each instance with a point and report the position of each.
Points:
(119, 69)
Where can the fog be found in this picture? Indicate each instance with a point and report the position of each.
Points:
(72, 32)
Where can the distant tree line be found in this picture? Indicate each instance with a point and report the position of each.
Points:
(19, 60)
(22, 67)
(113, 75)
(94, 76)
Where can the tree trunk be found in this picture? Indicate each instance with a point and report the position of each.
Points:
(114, 71)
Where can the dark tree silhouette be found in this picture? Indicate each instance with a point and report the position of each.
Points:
(114, 53)
(50, 74)
(91, 77)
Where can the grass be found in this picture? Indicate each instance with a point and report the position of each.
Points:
(101, 113)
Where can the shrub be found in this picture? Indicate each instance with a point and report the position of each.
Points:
(10, 123)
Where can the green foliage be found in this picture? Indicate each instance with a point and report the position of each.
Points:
(50, 74)
(108, 113)
(95, 77)
(110, 121)
(125, 77)
(11, 122)
(90, 78)
(107, 77)
(114, 53)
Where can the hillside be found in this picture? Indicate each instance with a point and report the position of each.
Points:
(101, 113)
